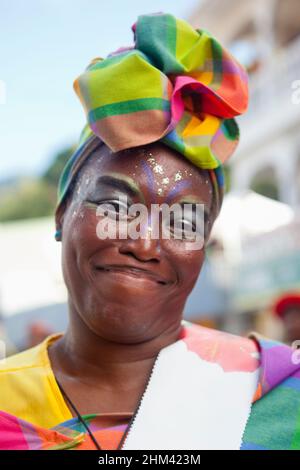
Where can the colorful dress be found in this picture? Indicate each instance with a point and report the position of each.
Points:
(207, 390)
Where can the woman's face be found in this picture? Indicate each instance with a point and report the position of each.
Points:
(124, 289)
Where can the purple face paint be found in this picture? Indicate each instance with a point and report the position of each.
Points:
(179, 186)
(150, 177)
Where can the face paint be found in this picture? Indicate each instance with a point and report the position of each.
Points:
(158, 169)
(178, 176)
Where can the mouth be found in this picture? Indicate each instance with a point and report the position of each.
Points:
(134, 272)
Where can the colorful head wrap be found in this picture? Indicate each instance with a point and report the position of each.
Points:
(176, 84)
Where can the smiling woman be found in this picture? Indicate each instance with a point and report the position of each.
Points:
(137, 282)
(129, 372)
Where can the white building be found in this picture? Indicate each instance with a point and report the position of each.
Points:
(265, 36)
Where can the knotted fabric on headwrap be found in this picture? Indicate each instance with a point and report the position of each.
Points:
(176, 84)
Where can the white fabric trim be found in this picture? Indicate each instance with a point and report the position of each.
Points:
(191, 404)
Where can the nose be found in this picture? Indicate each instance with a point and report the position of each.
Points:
(144, 248)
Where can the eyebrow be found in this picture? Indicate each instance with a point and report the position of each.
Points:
(126, 184)
(122, 183)
(184, 184)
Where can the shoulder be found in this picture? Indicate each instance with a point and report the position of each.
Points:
(24, 359)
(272, 424)
(231, 352)
(30, 358)
(27, 386)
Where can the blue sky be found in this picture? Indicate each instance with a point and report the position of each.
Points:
(44, 46)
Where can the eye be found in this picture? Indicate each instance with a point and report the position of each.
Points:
(188, 229)
(184, 228)
(114, 208)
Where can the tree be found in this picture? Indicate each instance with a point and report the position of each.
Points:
(34, 197)
(53, 172)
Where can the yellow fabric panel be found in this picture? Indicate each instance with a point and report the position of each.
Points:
(28, 388)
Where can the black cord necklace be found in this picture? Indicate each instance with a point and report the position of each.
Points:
(80, 417)
(130, 423)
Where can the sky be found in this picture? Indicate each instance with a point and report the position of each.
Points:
(44, 46)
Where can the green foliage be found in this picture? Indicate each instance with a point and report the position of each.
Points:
(34, 197)
(31, 198)
(53, 172)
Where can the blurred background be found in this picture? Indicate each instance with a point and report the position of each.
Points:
(254, 252)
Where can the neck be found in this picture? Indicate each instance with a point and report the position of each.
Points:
(83, 355)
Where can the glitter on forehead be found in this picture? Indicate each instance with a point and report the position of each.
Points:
(178, 176)
(158, 169)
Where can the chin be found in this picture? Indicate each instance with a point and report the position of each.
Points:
(119, 322)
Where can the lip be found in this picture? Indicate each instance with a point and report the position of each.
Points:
(133, 271)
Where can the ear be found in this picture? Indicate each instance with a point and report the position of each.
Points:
(59, 216)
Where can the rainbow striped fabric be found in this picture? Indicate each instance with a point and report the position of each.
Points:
(273, 420)
(18, 434)
(176, 84)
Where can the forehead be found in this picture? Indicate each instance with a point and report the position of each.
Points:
(155, 169)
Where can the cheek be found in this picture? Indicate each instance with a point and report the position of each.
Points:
(192, 263)
(79, 239)
(187, 262)
(82, 226)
